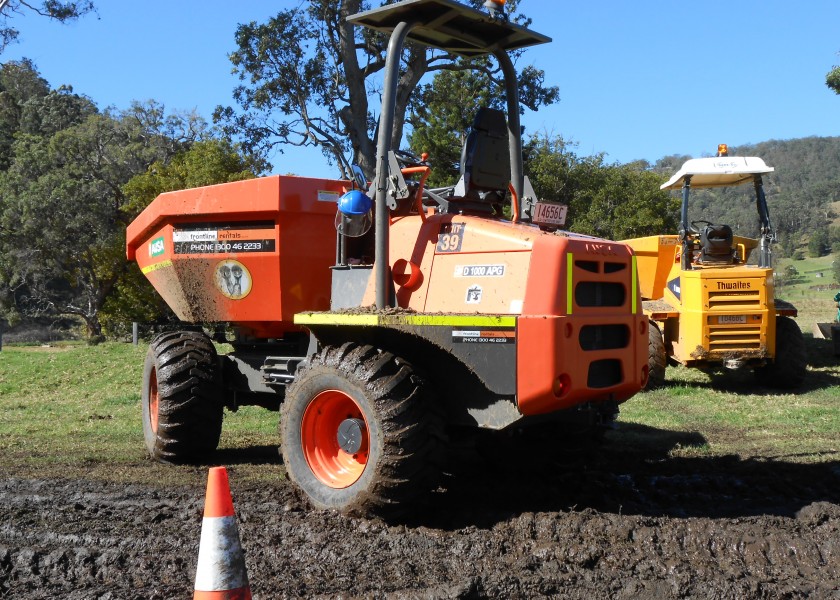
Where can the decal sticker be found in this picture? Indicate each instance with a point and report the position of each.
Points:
(474, 294)
(156, 247)
(474, 336)
(733, 286)
(233, 279)
(327, 196)
(450, 237)
(674, 286)
(726, 165)
(480, 271)
(224, 240)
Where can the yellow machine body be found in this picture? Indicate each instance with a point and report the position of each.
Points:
(711, 314)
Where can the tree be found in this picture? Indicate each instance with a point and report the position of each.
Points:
(832, 80)
(62, 222)
(307, 76)
(57, 10)
(628, 204)
(834, 239)
(791, 272)
(818, 244)
(608, 200)
(27, 105)
(441, 114)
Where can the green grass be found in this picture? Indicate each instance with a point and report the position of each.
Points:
(814, 305)
(728, 414)
(74, 411)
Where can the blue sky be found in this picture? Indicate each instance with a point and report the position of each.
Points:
(640, 79)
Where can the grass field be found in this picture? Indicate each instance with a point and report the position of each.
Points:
(812, 292)
(74, 410)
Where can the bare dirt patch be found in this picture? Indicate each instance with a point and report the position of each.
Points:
(516, 519)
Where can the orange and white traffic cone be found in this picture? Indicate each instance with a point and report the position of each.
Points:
(220, 574)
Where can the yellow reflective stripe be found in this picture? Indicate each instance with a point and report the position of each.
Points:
(633, 286)
(335, 319)
(570, 264)
(156, 266)
(327, 318)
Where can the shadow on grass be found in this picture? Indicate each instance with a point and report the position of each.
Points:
(823, 372)
(632, 472)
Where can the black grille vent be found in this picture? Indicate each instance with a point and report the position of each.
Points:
(587, 265)
(604, 373)
(599, 293)
(603, 337)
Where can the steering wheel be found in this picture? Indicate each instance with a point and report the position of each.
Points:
(695, 225)
(408, 159)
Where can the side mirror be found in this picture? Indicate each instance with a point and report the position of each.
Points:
(359, 178)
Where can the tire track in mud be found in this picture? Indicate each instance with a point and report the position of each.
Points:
(81, 540)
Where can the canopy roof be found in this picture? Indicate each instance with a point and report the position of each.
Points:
(450, 26)
(718, 171)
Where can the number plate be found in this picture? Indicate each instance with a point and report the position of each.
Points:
(732, 319)
(549, 213)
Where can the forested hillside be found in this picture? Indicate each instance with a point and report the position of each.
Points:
(801, 192)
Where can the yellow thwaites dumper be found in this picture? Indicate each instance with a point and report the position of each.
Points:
(707, 305)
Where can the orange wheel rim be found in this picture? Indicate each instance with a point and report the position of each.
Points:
(154, 401)
(331, 464)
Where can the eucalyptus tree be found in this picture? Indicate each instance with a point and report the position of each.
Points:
(310, 78)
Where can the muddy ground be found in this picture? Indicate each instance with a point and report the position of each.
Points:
(518, 520)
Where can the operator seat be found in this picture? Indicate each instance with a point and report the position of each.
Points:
(485, 159)
(716, 245)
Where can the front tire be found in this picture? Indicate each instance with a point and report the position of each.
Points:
(182, 405)
(789, 369)
(359, 431)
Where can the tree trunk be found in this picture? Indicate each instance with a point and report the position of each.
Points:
(94, 328)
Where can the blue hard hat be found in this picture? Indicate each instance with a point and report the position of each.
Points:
(355, 202)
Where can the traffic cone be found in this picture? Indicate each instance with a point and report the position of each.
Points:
(220, 574)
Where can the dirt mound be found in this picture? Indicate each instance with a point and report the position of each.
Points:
(574, 526)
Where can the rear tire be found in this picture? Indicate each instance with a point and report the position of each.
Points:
(789, 369)
(182, 405)
(657, 358)
(396, 455)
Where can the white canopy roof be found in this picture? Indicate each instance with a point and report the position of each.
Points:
(717, 171)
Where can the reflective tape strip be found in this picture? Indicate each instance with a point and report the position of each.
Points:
(336, 319)
(156, 266)
(240, 594)
(570, 282)
(406, 319)
(221, 563)
(634, 292)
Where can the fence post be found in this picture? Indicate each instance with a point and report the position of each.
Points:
(135, 333)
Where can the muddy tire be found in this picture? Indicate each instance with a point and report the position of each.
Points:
(789, 368)
(360, 433)
(657, 358)
(182, 404)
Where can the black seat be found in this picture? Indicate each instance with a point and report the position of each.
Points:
(485, 159)
(716, 244)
